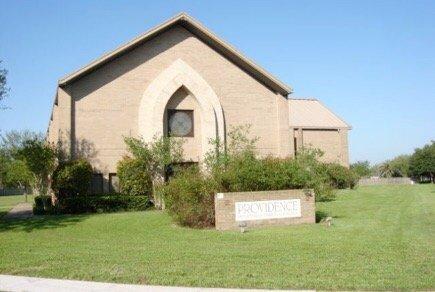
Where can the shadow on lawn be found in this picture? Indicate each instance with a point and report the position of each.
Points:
(322, 215)
(40, 222)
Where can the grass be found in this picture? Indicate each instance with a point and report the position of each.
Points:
(382, 238)
(8, 202)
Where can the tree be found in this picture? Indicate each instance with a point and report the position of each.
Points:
(17, 175)
(155, 157)
(400, 166)
(385, 169)
(396, 167)
(422, 162)
(4, 89)
(40, 159)
(12, 141)
(361, 168)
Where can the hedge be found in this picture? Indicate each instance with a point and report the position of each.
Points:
(102, 203)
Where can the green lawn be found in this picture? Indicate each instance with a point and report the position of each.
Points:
(8, 202)
(382, 238)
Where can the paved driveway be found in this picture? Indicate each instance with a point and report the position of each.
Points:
(20, 211)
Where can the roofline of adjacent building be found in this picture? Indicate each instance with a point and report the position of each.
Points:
(348, 126)
(202, 32)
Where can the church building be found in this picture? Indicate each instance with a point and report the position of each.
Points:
(182, 80)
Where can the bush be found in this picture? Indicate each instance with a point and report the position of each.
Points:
(189, 198)
(43, 205)
(102, 203)
(247, 173)
(72, 178)
(340, 177)
(134, 177)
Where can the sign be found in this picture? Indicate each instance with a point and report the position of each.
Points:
(275, 209)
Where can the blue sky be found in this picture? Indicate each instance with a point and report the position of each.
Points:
(372, 62)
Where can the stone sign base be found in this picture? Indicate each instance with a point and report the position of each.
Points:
(258, 209)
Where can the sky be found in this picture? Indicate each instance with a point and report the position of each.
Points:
(371, 62)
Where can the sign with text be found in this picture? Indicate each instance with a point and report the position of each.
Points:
(274, 209)
(265, 208)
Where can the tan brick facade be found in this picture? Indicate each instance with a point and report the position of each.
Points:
(332, 142)
(95, 110)
(225, 208)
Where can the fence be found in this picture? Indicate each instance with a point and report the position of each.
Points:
(385, 181)
(10, 192)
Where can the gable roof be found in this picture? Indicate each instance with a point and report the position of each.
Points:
(201, 32)
(311, 113)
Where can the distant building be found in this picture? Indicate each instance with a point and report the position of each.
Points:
(180, 79)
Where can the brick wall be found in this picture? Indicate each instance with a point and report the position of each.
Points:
(225, 208)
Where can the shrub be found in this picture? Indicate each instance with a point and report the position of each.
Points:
(189, 198)
(103, 203)
(43, 205)
(134, 177)
(340, 177)
(247, 173)
(72, 178)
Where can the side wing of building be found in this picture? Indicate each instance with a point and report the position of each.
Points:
(312, 125)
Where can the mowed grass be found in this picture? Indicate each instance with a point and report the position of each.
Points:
(382, 238)
(8, 202)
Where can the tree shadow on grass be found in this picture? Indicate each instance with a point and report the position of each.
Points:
(40, 222)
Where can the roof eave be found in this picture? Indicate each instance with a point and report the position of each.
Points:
(348, 127)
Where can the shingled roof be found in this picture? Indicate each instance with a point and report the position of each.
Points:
(202, 33)
(311, 113)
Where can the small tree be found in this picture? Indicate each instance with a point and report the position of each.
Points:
(361, 168)
(156, 156)
(422, 162)
(13, 171)
(396, 167)
(40, 159)
(239, 144)
(400, 166)
(17, 175)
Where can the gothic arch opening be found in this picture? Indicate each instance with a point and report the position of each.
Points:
(178, 79)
